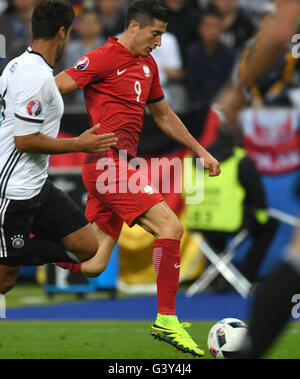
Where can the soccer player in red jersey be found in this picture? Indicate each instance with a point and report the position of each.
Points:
(119, 79)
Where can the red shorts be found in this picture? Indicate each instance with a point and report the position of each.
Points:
(117, 192)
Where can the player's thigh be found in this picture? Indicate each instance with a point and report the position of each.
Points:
(161, 221)
(127, 195)
(61, 219)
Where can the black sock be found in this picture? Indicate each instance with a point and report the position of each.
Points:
(271, 310)
(42, 251)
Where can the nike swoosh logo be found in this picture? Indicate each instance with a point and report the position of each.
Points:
(176, 265)
(121, 72)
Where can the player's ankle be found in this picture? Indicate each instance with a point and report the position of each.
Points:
(166, 320)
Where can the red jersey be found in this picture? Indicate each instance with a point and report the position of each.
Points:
(116, 88)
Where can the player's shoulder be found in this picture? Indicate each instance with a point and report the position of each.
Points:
(27, 72)
(29, 67)
(100, 56)
(34, 78)
(108, 49)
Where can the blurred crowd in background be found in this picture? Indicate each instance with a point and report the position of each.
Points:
(207, 41)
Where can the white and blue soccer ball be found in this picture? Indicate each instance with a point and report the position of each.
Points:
(226, 337)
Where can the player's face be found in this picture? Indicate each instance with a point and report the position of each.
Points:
(148, 38)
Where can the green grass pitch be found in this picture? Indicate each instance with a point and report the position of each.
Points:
(111, 340)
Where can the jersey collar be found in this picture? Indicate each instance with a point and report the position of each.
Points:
(115, 41)
(30, 51)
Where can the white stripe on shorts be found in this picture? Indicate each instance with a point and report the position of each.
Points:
(3, 207)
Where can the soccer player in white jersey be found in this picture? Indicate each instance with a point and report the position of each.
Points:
(30, 111)
(273, 302)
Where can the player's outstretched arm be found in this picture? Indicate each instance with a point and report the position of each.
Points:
(273, 38)
(174, 128)
(88, 142)
(65, 83)
(268, 47)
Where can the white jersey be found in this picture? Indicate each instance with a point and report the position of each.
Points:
(30, 103)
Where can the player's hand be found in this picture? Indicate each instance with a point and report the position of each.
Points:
(89, 142)
(210, 163)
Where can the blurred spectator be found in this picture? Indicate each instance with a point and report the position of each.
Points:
(90, 33)
(209, 61)
(15, 26)
(271, 89)
(125, 4)
(111, 17)
(169, 62)
(3, 6)
(237, 27)
(182, 21)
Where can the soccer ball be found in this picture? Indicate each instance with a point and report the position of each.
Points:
(225, 337)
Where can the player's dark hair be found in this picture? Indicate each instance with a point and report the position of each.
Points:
(145, 12)
(49, 16)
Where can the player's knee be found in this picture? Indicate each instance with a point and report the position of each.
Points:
(173, 230)
(178, 230)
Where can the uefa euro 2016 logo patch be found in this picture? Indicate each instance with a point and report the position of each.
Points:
(82, 64)
(34, 108)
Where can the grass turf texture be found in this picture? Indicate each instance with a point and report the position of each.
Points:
(110, 340)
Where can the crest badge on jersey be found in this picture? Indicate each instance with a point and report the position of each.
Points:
(34, 108)
(146, 71)
(82, 64)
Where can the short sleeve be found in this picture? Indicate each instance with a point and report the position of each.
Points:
(156, 93)
(89, 68)
(33, 99)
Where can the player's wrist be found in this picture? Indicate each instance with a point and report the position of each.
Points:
(76, 145)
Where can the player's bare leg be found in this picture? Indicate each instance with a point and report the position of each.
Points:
(8, 278)
(83, 243)
(164, 225)
(162, 222)
(95, 266)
